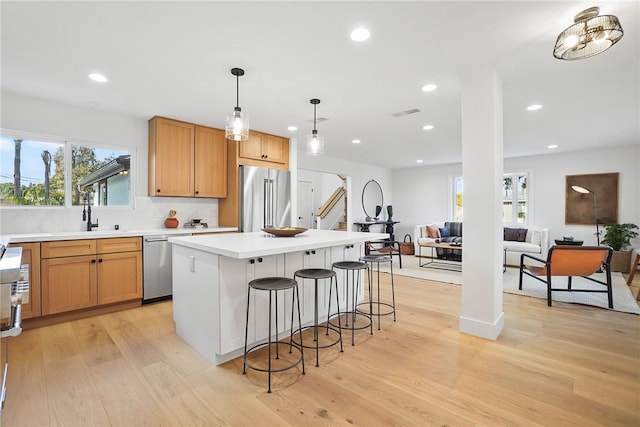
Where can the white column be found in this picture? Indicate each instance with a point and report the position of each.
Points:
(482, 170)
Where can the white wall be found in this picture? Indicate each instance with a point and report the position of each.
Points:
(360, 174)
(424, 194)
(92, 126)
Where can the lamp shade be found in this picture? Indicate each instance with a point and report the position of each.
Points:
(315, 144)
(237, 125)
(590, 35)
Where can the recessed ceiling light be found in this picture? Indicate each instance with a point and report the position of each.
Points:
(419, 161)
(98, 78)
(427, 127)
(292, 128)
(552, 146)
(429, 87)
(534, 107)
(360, 34)
(356, 141)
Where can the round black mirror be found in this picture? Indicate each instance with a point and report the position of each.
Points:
(372, 200)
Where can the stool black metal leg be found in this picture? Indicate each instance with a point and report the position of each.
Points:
(378, 272)
(393, 290)
(335, 281)
(299, 325)
(246, 333)
(269, 345)
(315, 323)
(276, 316)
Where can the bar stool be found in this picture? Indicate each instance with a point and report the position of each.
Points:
(370, 260)
(319, 274)
(354, 284)
(273, 285)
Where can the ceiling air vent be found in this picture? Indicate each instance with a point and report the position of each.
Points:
(406, 112)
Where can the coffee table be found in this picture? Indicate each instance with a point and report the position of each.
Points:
(440, 264)
(451, 265)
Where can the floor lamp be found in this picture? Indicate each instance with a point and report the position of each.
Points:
(584, 190)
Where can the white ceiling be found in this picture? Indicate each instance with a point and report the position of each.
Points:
(174, 59)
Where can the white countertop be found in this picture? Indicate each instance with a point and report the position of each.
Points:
(104, 234)
(248, 245)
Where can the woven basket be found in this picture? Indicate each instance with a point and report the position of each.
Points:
(406, 247)
(621, 261)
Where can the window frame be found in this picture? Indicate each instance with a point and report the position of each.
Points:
(68, 143)
(515, 173)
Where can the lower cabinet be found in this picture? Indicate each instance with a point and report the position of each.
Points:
(90, 274)
(69, 283)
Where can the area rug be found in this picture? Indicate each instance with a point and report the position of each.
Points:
(623, 299)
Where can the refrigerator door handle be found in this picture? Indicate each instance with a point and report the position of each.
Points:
(268, 203)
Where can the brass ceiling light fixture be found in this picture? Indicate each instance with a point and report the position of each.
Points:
(237, 127)
(590, 35)
(315, 142)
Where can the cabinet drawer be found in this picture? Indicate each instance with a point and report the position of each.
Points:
(119, 244)
(64, 248)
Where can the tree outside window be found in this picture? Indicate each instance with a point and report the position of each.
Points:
(32, 173)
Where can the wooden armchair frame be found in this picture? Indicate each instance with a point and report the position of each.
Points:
(582, 261)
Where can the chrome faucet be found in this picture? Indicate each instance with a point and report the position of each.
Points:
(86, 211)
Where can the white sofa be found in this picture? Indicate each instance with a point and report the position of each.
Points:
(536, 243)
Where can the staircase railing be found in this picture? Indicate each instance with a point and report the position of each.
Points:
(328, 216)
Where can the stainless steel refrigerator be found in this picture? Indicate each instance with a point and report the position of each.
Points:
(265, 198)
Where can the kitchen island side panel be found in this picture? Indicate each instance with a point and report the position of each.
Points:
(196, 299)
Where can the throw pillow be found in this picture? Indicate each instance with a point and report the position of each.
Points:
(433, 232)
(514, 234)
(444, 232)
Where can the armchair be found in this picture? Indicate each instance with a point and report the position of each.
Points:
(582, 261)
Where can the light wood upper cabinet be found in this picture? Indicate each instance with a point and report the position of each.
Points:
(210, 163)
(265, 148)
(31, 257)
(186, 160)
(171, 157)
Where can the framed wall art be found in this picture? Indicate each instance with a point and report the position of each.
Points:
(600, 200)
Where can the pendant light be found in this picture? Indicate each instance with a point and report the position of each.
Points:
(315, 142)
(237, 128)
(590, 35)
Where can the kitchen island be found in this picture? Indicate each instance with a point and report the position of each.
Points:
(211, 273)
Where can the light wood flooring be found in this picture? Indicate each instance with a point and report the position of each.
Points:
(558, 366)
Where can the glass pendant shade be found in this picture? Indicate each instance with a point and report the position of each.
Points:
(315, 144)
(237, 127)
(590, 35)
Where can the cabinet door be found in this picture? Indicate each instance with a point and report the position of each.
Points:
(31, 257)
(119, 277)
(68, 284)
(171, 154)
(252, 147)
(275, 149)
(210, 163)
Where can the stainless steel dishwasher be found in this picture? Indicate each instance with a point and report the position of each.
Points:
(156, 253)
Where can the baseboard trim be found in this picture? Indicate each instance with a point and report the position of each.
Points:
(481, 328)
